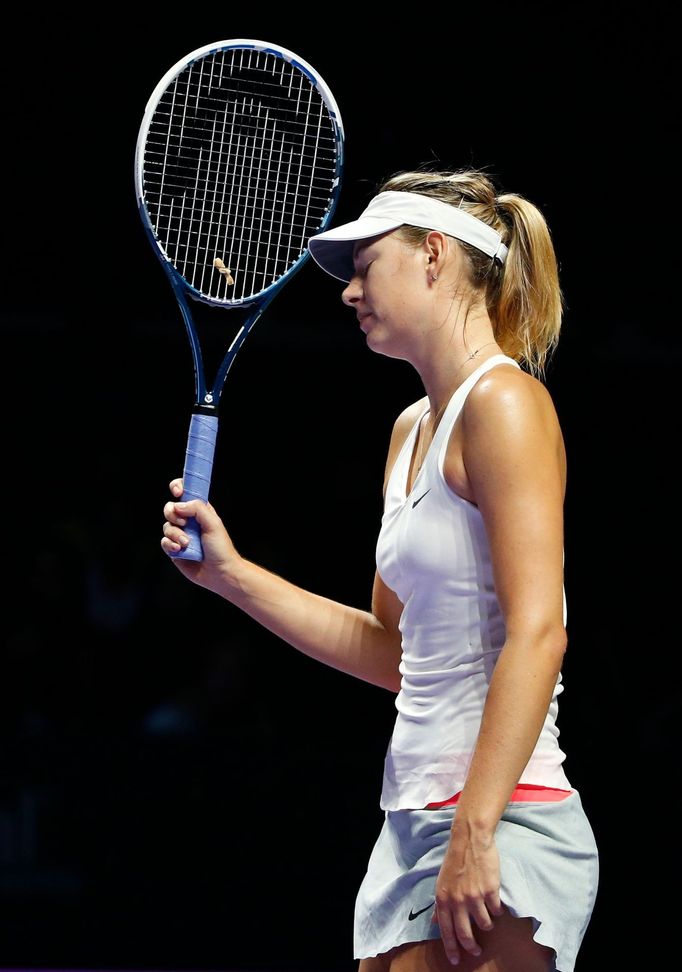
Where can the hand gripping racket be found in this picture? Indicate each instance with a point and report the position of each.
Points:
(238, 162)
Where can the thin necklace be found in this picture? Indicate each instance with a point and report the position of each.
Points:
(439, 413)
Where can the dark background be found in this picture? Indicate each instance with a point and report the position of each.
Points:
(179, 789)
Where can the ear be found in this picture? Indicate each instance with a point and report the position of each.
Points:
(436, 247)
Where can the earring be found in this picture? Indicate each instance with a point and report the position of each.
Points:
(434, 277)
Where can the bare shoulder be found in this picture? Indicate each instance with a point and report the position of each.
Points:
(508, 400)
(510, 434)
(405, 421)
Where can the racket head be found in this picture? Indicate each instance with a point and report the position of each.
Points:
(238, 159)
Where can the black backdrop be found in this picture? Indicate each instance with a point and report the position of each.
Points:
(179, 789)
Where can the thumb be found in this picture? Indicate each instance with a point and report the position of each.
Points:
(205, 515)
(201, 511)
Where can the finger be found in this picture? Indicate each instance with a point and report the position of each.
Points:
(447, 933)
(465, 936)
(176, 487)
(175, 535)
(493, 904)
(170, 546)
(205, 515)
(481, 916)
(172, 515)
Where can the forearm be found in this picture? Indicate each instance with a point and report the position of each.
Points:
(346, 638)
(520, 692)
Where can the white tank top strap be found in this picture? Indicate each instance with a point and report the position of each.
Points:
(456, 403)
(397, 483)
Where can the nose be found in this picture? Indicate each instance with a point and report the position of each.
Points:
(352, 292)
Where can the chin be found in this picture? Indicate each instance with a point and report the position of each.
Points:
(381, 342)
(385, 346)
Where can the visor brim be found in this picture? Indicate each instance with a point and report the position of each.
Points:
(333, 249)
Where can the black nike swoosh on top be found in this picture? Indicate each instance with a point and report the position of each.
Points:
(414, 914)
(421, 498)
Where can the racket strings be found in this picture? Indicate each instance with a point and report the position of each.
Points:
(240, 166)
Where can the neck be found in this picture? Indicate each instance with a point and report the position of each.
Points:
(438, 401)
(447, 372)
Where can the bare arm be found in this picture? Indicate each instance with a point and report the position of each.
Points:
(365, 644)
(513, 455)
(515, 462)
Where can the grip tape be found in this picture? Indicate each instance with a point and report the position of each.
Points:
(196, 477)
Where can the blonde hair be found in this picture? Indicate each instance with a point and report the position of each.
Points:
(523, 297)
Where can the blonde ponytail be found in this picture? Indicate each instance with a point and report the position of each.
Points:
(528, 303)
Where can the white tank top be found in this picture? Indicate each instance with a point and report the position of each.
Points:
(433, 552)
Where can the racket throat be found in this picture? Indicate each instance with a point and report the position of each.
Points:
(211, 410)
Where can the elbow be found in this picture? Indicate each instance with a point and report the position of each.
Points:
(395, 684)
(384, 679)
(544, 638)
(553, 642)
(392, 680)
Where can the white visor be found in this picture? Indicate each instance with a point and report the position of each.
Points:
(333, 249)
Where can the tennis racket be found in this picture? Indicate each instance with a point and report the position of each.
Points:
(238, 162)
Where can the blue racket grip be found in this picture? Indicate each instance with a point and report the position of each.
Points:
(196, 478)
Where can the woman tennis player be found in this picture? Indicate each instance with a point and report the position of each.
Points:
(486, 858)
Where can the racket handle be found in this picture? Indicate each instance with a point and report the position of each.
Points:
(196, 477)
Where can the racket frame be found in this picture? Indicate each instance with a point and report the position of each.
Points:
(207, 398)
(203, 425)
